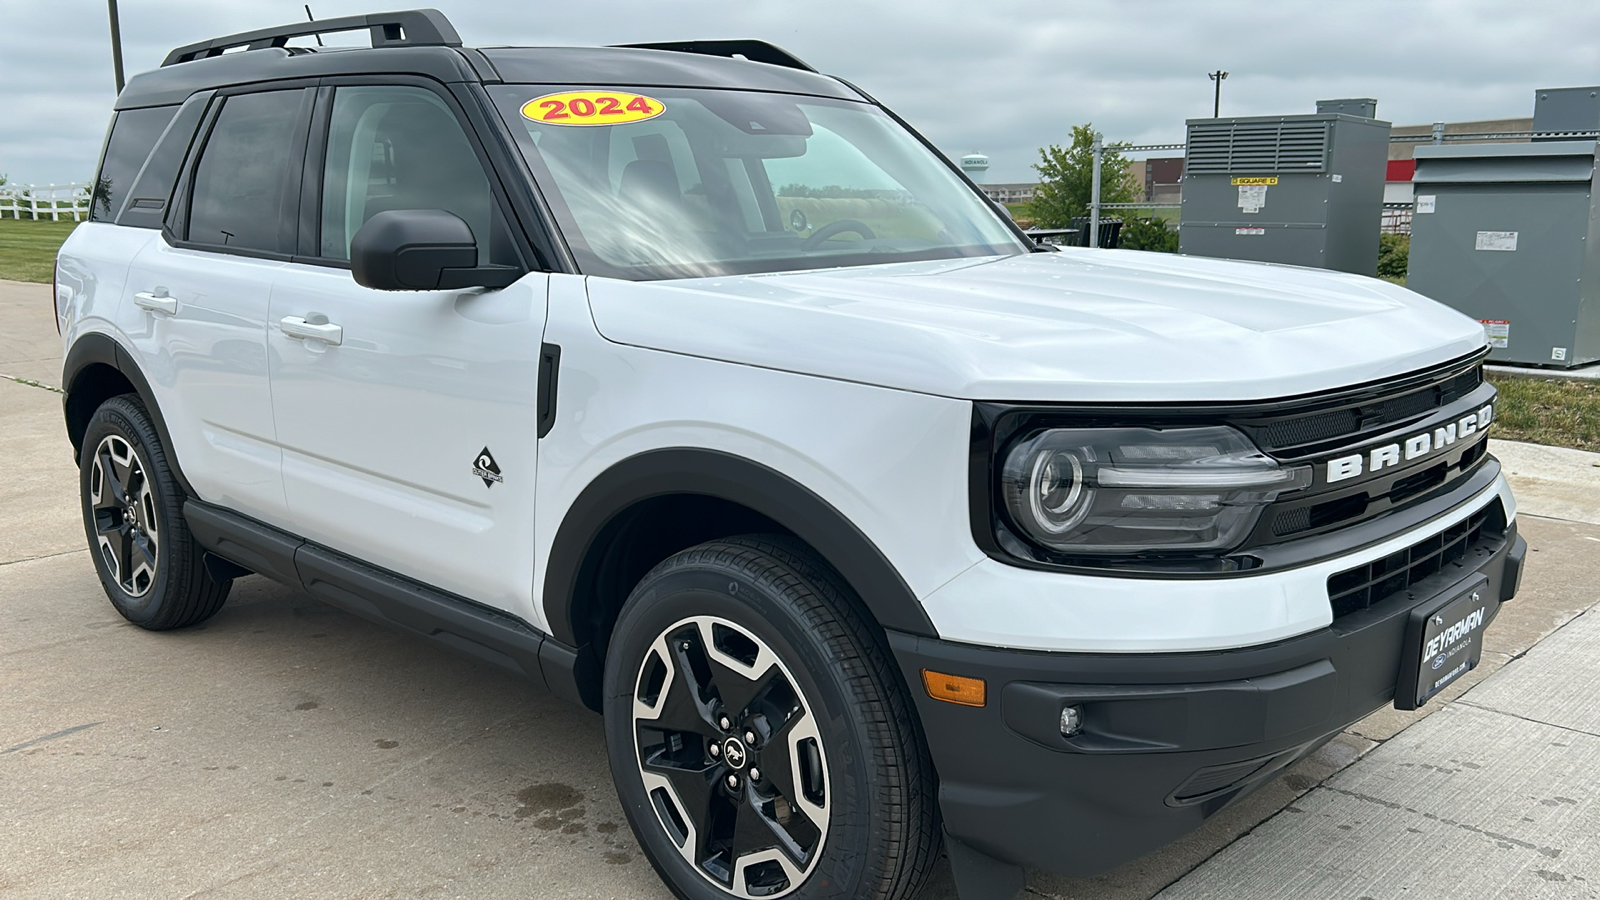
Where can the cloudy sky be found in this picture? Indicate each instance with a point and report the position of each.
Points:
(1001, 76)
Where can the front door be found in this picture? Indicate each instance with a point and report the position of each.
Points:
(407, 420)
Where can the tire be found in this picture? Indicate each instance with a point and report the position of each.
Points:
(148, 562)
(835, 795)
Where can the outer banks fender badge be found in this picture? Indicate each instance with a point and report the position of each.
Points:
(485, 467)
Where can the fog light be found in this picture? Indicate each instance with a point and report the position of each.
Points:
(1071, 721)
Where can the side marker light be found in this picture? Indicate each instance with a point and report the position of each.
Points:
(957, 689)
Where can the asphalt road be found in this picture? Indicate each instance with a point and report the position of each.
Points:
(285, 748)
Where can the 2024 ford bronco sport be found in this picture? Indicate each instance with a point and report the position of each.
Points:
(696, 386)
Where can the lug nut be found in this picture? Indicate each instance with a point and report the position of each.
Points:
(724, 724)
(716, 750)
(750, 737)
(755, 774)
(733, 782)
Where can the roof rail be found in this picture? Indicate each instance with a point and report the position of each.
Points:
(407, 28)
(755, 51)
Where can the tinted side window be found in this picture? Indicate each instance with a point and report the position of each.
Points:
(403, 148)
(133, 134)
(146, 202)
(241, 185)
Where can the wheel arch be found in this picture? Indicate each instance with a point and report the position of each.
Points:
(96, 369)
(647, 507)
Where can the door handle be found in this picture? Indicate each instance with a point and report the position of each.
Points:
(323, 330)
(162, 304)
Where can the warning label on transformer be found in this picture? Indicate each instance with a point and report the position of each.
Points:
(1252, 197)
(1498, 332)
(1496, 240)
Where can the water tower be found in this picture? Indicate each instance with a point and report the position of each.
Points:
(976, 165)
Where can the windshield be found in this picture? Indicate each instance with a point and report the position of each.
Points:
(678, 183)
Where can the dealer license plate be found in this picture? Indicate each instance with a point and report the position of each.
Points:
(1445, 642)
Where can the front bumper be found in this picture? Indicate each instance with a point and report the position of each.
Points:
(1169, 739)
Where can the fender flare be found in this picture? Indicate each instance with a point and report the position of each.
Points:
(724, 476)
(98, 348)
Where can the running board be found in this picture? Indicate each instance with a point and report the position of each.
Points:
(380, 596)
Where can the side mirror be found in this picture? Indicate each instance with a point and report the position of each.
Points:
(421, 250)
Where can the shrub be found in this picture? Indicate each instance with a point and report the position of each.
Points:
(1148, 234)
(1394, 250)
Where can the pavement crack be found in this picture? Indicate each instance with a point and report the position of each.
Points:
(31, 383)
(12, 562)
(49, 737)
(1500, 712)
(1550, 852)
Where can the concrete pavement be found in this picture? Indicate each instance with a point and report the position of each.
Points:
(286, 749)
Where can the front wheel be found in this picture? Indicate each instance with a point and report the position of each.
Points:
(760, 740)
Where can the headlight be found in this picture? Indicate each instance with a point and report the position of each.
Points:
(1099, 491)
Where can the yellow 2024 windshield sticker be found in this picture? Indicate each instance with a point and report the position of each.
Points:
(592, 108)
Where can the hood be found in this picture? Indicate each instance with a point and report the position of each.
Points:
(1076, 326)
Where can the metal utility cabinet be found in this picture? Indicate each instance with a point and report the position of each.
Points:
(1305, 190)
(1507, 234)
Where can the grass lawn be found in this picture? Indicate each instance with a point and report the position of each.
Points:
(1560, 413)
(28, 248)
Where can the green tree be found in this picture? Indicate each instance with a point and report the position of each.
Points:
(1066, 177)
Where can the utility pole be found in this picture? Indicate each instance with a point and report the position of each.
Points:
(1098, 149)
(116, 44)
(1216, 105)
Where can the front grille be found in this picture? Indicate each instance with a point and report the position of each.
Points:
(1315, 428)
(1363, 586)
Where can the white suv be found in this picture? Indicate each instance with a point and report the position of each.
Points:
(696, 386)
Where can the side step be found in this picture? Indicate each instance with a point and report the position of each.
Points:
(380, 596)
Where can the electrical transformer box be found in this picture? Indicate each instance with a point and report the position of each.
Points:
(1305, 190)
(1508, 234)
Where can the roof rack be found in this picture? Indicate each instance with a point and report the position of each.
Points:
(755, 51)
(406, 28)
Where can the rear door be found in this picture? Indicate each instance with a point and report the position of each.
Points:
(408, 419)
(197, 308)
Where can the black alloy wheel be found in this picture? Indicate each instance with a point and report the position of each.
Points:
(127, 527)
(729, 752)
(762, 742)
(148, 562)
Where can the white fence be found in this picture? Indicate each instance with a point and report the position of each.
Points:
(44, 201)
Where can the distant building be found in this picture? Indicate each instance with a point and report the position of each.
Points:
(1014, 192)
(1163, 179)
(1397, 183)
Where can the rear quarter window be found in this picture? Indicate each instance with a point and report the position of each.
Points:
(134, 133)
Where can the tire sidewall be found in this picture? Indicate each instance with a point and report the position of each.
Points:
(668, 597)
(123, 418)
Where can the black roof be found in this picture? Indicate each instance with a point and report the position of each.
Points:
(422, 42)
(627, 66)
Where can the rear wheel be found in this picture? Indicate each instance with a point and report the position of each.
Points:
(760, 741)
(149, 564)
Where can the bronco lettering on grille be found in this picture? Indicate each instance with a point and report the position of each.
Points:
(1414, 447)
